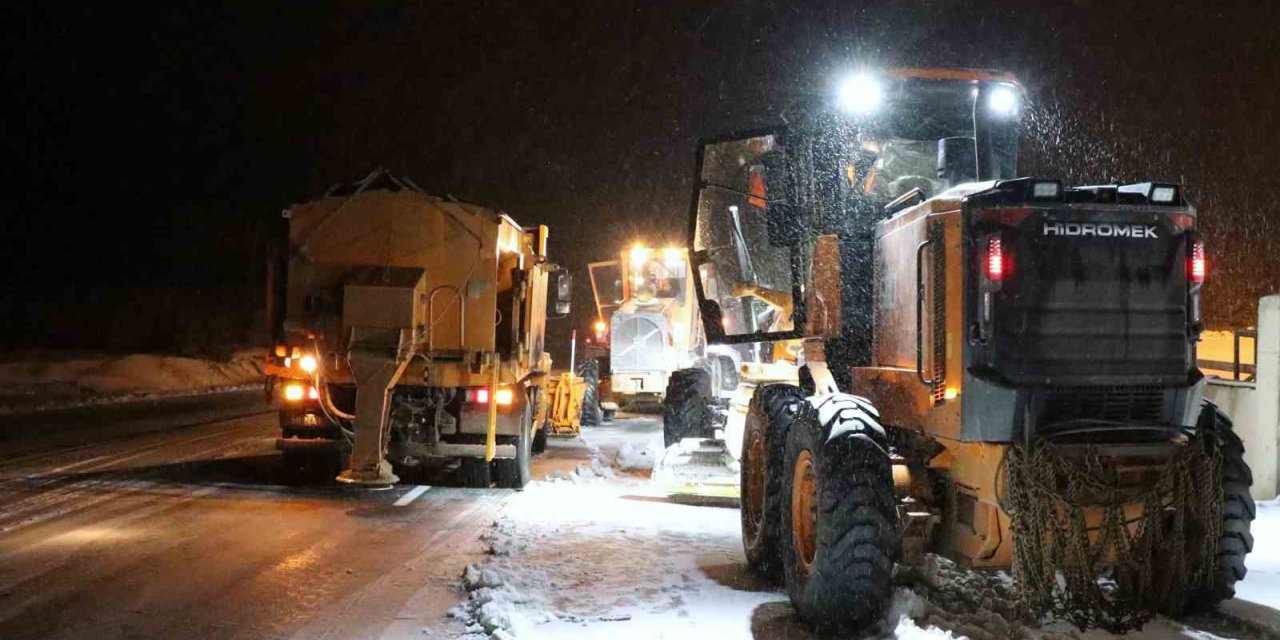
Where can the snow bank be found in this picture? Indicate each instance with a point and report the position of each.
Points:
(632, 458)
(596, 469)
(50, 382)
(593, 560)
(1262, 582)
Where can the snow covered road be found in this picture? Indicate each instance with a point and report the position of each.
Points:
(595, 553)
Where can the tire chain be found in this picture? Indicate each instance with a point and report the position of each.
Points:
(1057, 567)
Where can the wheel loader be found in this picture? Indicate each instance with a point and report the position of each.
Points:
(994, 368)
(410, 328)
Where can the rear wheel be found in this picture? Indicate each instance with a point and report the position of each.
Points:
(1235, 538)
(474, 473)
(773, 408)
(686, 411)
(841, 534)
(540, 440)
(592, 415)
(515, 473)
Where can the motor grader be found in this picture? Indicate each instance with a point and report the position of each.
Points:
(647, 324)
(411, 328)
(994, 368)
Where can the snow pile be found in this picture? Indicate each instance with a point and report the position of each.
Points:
(49, 382)
(495, 610)
(597, 468)
(632, 458)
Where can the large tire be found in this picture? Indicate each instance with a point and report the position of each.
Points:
(773, 408)
(540, 440)
(686, 411)
(592, 414)
(841, 534)
(1235, 539)
(474, 473)
(515, 473)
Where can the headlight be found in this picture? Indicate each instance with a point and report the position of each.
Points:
(307, 363)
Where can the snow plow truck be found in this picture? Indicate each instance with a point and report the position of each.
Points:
(994, 368)
(410, 327)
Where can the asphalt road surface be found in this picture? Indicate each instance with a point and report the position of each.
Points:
(196, 532)
(131, 526)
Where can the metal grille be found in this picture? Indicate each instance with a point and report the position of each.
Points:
(1130, 405)
(637, 344)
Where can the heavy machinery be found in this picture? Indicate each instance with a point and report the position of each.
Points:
(646, 308)
(994, 368)
(411, 328)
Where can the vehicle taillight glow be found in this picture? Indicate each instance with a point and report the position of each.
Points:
(478, 396)
(995, 259)
(1197, 268)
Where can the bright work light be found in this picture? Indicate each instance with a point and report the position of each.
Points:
(859, 94)
(1003, 101)
(1164, 194)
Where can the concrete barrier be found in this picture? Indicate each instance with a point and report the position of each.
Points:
(1254, 406)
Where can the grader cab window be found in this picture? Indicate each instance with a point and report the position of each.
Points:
(748, 279)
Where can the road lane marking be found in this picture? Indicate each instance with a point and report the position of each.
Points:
(411, 496)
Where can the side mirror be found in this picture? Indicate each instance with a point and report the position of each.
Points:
(559, 293)
(957, 160)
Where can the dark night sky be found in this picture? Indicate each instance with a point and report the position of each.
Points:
(156, 145)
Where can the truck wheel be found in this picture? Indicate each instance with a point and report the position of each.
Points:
(592, 415)
(773, 408)
(540, 440)
(685, 409)
(515, 473)
(1235, 540)
(474, 473)
(841, 534)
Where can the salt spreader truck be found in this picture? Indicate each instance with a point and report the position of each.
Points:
(411, 327)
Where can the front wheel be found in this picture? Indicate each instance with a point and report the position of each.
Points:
(686, 410)
(841, 534)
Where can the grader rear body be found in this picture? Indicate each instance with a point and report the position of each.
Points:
(997, 369)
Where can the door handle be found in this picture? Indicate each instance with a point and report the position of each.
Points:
(929, 382)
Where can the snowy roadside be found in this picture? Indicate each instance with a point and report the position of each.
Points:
(594, 553)
(50, 383)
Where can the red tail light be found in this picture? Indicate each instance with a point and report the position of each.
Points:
(478, 396)
(995, 264)
(1197, 268)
